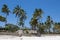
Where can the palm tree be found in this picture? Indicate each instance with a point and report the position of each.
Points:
(16, 11)
(48, 23)
(22, 18)
(57, 27)
(2, 19)
(5, 10)
(20, 14)
(38, 13)
(33, 23)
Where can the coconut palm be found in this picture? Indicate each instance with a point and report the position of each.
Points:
(33, 23)
(22, 18)
(16, 11)
(38, 13)
(48, 23)
(2, 19)
(5, 10)
(20, 14)
(57, 27)
(36, 19)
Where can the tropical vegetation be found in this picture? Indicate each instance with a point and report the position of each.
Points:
(35, 22)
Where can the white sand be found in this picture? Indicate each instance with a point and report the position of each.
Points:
(8, 37)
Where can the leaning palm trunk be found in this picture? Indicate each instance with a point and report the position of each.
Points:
(49, 28)
(6, 20)
(39, 31)
(53, 30)
(17, 21)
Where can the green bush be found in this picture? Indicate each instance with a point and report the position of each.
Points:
(11, 28)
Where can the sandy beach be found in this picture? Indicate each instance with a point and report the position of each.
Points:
(9, 37)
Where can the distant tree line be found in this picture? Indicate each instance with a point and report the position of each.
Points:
(49, 26)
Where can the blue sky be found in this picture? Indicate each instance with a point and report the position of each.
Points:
(50, 7)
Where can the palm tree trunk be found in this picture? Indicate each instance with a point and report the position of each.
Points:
(53, 30)
(6, 20)
(17, 21)
(49, 30)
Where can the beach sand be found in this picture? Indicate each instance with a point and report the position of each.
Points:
(10, 37)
